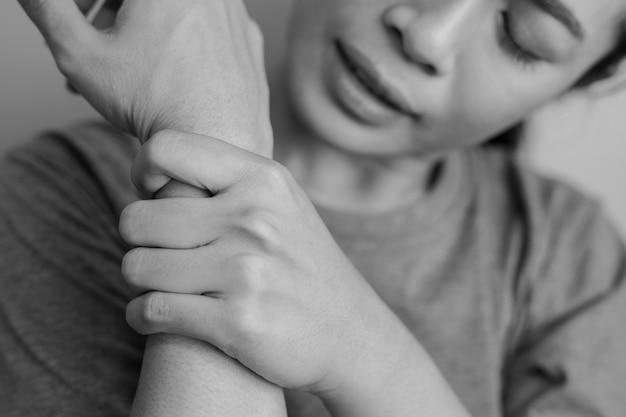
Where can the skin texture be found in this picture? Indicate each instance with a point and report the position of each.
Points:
(281, 297)
(263, 235)
(245, 282)
(446, 58)
(122, 71)
(478, 91)
(147, 71)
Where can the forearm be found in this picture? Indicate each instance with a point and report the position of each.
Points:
(173, 65)
(188, 378)
(402, 382)
(185, 377)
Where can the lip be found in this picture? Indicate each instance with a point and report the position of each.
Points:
(365, 70)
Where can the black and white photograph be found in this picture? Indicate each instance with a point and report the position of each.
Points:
(313, 208)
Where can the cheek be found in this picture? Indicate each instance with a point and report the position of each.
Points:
(303, 63)
(487, 113)
(494, 94)
(307, 31)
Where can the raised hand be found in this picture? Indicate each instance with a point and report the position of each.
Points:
(252, 270)
(194, 65)
(191, 65)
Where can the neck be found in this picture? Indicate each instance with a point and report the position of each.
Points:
(344, 181)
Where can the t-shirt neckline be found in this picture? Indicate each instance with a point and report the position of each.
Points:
(448, 194)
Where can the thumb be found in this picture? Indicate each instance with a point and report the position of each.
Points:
(61, 23)
(202, 162)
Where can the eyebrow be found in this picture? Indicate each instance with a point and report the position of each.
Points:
(563, 14)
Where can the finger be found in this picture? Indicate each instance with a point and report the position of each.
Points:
(174, 223)
(190, 271)
(200, 161)
(195, 316)
(61, 22)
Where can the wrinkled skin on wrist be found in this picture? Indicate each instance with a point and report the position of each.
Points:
(191, 65)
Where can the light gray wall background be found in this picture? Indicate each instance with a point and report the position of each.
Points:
(580, 140)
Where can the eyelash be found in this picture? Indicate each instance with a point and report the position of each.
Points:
(512, 48)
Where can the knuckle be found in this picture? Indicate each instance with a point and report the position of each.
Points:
(66, 62)
(262, 225)
(250, 275)
(247, 323)
(274, 176)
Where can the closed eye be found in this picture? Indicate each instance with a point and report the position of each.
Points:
(511, 46)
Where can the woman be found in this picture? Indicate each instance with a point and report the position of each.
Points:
(449, 270)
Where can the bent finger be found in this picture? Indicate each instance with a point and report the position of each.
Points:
(61, 23)
(190, 271)
(174, 223)
(195, 316)
(199, 161)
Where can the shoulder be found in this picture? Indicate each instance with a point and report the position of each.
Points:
(551, 211)
(89, 162)
(568, 293)
(60, 199)
(61, 195)
(62, 300)
(545, 215)
(569, 254)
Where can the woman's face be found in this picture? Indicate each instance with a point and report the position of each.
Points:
(386, 77)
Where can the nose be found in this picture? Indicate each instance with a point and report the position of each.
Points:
(432, 31)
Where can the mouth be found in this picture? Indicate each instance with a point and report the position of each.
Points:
(368, 75)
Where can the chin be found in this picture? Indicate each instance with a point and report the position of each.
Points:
(328, 122)
(332, 109)
(325, 120)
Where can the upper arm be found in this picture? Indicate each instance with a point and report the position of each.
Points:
(65, 348)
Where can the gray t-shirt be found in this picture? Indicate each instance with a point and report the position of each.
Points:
(513, 283)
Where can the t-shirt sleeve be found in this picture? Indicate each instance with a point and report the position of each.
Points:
(65, 348)
(571, 356)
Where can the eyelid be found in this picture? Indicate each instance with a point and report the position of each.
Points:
(506, 27)
(510, 47)
(539, 32)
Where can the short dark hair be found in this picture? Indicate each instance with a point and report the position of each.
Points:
(607, 66)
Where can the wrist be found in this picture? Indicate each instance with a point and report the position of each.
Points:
(260, 143)
(259, 140)
(366, 369)
(395, 378)
(375, 347)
